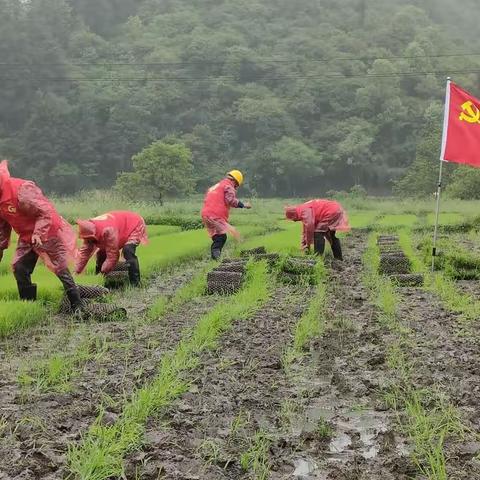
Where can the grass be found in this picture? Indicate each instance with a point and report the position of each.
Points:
(101, 453)
(443, 286)
(16, 315)
(256, 458)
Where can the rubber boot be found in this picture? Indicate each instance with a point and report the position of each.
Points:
(134, 272)
(218, 242)
(75, 300)
(336, 248)
(319, 243)
(28, 292)
(133, 266)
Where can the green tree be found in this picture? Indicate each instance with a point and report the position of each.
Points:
(422, 176)
(162, 169)
(465, 183)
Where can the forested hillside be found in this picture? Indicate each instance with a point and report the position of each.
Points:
(305, 96)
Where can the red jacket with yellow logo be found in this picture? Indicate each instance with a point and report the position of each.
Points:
(24, 208)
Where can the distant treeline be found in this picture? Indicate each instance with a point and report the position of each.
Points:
(306, 96)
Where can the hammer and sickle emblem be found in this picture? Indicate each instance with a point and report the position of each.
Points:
(11, 209)
(471, 113)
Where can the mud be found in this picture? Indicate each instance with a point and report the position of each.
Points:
(39, 426)
(447, 358)
(242, 389)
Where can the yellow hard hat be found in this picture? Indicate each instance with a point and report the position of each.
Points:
(237, 175)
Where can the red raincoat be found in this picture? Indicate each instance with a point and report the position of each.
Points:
(318, 216)
(216, 207)
(25, 209)
(109, 232)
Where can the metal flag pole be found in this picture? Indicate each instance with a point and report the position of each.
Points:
(439, 185)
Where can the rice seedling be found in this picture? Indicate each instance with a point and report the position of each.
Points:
(428, 423)
(100, 454)
(256, 458)
(16, 315)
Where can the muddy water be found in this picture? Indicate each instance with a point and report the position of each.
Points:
(39, 426)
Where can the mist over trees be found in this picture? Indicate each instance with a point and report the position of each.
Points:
(306, 96)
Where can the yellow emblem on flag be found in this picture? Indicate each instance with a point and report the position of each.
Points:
(471, 113)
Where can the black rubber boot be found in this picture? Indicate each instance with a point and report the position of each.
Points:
(75, 300)
(28, 292)
(133, 265)
(336, 248)
(319, 243)
(218, 242)
(101, 257)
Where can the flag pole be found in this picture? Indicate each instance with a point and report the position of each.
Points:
(439, 184)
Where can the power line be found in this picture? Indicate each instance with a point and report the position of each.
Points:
(252, 78)
(231, 61)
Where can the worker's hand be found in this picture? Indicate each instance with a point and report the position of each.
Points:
(247, 205)
(36, 241)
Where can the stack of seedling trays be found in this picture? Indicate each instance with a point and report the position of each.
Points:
(227, 278)
(99, 311)
(298, 271)
(118, 277)
(395, 264)
(260, 253)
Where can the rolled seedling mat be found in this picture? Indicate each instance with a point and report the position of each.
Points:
(86, 292)
(295, 279)
(271, 258)
(120, 267)
(105, 312)
(226, 261)
(253, 251)
(231, 267)
(408, 280)
(388, 238)
(391, 249)
(391, 264)
(224, 282)
(116, 279)
(298, 266)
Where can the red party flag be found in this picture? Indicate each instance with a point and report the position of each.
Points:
(461, 129)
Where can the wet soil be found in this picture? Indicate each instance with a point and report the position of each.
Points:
(238, 390)
(447, 361)
(344, 431)
(37, 427)
(322, 417)
(243, 389)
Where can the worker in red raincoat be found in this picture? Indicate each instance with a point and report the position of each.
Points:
(321, 220)
(107, 235)
(42, 232)
(216, 210)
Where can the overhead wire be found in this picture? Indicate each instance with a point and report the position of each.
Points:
(237, 61)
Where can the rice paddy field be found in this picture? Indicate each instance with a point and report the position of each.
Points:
(347, 373)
